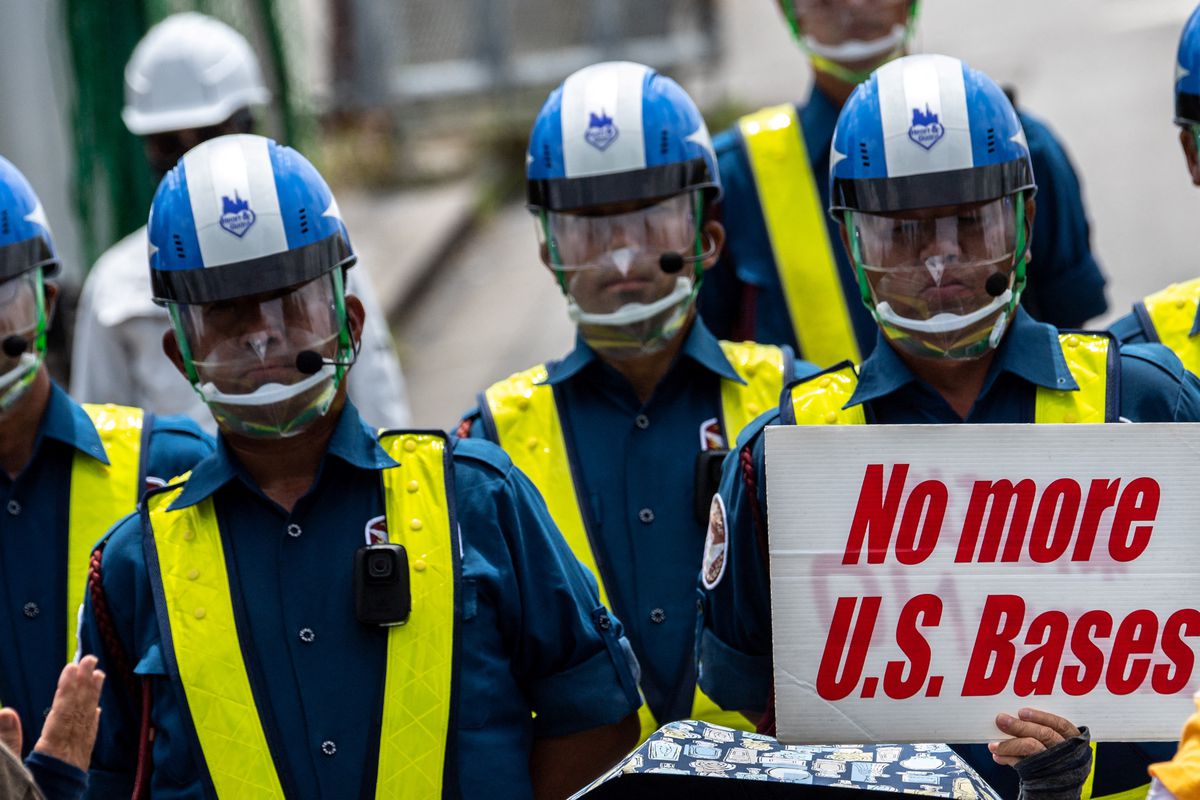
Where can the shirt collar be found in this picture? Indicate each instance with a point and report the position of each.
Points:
(1030, 350)
(65, 420)
(700, 346)
(352, 442)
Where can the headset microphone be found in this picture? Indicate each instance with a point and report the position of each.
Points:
(14, 345)
(670, 262)
(997, 284)
(310, 362)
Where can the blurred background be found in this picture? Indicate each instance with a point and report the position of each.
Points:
(417, 112)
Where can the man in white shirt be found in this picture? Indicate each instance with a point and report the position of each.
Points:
(190, 79)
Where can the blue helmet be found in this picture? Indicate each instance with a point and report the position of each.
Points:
(25, 241)
(617, 132)
(923, 131)
(240, 215)
(1187, 73)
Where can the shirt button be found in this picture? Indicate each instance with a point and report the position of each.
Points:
(32, 610)
(642, 421)
(646, 516)
(328, 747)
(307, 635)
(658, 616)
(294, 531)
(14, 508)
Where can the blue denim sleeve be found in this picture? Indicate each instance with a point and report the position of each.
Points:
(56, 779)
(734, 638)
(568, 651)
(1066, 285)
(1128, 330)
(1155, 387)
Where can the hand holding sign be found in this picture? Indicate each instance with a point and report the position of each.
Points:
(1033, 732)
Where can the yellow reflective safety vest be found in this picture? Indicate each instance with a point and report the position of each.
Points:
(101, 494)
(525, 418)
(821, 399)
(1169, 316)
(204, 640)
(794, 213)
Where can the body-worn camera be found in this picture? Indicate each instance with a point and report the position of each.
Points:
(381, 591)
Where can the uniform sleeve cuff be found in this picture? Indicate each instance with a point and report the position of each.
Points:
(589, 695)
(57, 779)
(734, 680)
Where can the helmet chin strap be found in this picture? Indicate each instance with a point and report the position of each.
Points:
(268, 393)
(631, 312)
(945, 322)
(853, 50)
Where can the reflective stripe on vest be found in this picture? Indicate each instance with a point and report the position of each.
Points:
(526, 421)
(200, 631)
(100, 495)
(821, 399)
(1136, 793)
(794, 214)
(1171, 315)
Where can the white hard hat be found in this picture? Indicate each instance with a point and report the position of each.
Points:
(189, 71)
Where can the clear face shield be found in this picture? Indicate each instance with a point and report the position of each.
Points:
(22, 334)
(259, 362)
(849, 39)
(630, 278)
(942, 286)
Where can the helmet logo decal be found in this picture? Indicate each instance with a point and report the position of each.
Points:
(236, 216)
(601, 132)
(927, 129)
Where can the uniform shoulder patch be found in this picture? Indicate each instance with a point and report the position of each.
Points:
(715, 545)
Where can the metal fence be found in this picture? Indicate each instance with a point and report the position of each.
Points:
(402, 52)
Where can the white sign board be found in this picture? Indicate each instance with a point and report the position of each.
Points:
(925, 578)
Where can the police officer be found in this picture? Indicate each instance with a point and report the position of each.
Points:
(191, 78)
(783, 279)
(244, 628)
(937, 220)
(624, 435)
(1172, 316)
(67, 472)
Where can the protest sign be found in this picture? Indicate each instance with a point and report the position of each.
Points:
(926, 578)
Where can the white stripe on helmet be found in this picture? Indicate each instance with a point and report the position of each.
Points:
(926, 84)
(611, 91)
(237, 168)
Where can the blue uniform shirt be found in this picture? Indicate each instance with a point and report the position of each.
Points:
(735, 644)
(742, 297)
(534, 636)
(635, 468)
(34, 509)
